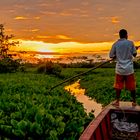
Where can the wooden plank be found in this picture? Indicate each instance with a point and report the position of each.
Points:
(126, 105)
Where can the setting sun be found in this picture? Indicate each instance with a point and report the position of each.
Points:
(43, 49)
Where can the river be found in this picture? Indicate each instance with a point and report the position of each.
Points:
(88, 103)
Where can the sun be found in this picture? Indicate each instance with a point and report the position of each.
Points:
(43, 56)
(42, 49)
(28, 45)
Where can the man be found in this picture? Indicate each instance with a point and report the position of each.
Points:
(123, 51)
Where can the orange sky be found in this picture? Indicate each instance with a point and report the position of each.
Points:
(63, 47)
(83, 26)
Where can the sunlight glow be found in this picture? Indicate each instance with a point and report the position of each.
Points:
(65, 47)
(43, 49)
(28, 45)
(44, 56)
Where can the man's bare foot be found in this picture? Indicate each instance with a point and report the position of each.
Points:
(116, 103)
(134, 104)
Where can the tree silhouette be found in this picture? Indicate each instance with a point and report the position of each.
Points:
(5, 43)
(7, 62)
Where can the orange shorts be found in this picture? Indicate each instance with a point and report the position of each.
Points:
(125, 80)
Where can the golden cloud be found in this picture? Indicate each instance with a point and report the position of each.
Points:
(63, 37)
(37, 18)
(84, 15)
(8, 30)
(74, 12)
(30, 30)
(20, 18)
(34, 30)
(66, 14)
(43, 37)
(115, 34)
(48, 13)
(115, 19)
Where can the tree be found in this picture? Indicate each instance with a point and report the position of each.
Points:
(6, 43)
(7, 63)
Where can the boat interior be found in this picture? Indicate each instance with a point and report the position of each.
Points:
(115, 123)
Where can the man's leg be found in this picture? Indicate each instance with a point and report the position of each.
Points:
(131, 86)
(118, 93)
(133, 95)
(118, 85)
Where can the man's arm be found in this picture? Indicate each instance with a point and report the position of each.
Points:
(135, 53)
(112, 53)
(137, 47)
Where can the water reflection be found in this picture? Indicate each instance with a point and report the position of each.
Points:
(88, 103)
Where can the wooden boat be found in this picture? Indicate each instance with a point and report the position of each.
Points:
(115, 123)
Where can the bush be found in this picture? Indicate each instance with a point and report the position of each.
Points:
(7, 64)
(56, 69)
(50, 68)
(41, 69)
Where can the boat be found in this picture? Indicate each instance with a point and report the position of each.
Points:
(115, 123)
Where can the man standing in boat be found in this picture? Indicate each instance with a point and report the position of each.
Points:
(123, 51)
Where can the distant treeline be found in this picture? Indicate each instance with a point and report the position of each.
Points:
(81, 64)
(10, 65)
(88, 65)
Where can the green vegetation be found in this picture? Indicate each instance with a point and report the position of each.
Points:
(8, 65)
(29, 111)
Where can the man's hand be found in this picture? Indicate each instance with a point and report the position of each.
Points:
(137, 47)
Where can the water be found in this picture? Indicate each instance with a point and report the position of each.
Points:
(88, 103)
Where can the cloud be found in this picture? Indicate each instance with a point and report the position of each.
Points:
(66, 14)
(85, 3)
(115, 34)
(43, 37)
(115, 19)
(9, 30)
(34, 30)
(48, 13)
(26, 18)
(63, 37)
(74, 18)
(20, 18)
(44, 5)
(11, 10)
(74, 12)
(84, 15)
(37, 18)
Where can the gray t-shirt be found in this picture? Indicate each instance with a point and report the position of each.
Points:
(123, 50)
